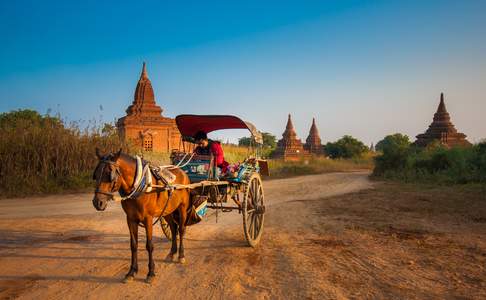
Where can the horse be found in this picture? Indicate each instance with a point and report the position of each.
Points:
(115, 172)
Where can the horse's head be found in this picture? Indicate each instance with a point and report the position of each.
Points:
(108, 179)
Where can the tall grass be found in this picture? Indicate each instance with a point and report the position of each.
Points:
(41, 154)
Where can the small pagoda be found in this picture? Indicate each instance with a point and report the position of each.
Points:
(289, 147)
(313, 143)
(144, 124)
(442, 130)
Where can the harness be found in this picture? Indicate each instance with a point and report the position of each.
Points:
(142, 182)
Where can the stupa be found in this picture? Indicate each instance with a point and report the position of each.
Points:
(442, 130)
(144, 124)
(313, 142)
(289, 147)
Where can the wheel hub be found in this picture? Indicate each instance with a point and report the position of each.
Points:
(260, 209)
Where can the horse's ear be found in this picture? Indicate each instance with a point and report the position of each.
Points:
(117, 155)
(98, 154)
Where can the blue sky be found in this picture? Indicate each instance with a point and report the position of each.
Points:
(365, 68)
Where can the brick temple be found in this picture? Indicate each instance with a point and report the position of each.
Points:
(442, 129)
(290, 146)
(313, 143)
(144, 126)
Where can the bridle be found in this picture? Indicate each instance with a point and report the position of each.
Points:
(114, 174)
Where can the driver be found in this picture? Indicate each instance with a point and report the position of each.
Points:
(207, 146)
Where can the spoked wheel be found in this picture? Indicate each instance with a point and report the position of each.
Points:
(166, 229)
(253, 210)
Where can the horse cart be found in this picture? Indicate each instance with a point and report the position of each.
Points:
(240, 190)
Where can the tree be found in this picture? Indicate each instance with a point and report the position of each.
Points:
(393, 140)
(269, 141)
(345, 147)
(244, 141)
(25, 118)
(395, 150)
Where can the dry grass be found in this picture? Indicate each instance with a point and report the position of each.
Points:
(40, 154)
(317, 165)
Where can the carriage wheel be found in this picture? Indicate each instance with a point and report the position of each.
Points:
(253, 210)
(166, 229)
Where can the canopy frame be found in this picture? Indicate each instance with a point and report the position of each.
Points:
(189, 125)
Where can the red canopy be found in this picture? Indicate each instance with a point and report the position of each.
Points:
(189, 125)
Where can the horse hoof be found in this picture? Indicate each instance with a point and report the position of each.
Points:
(128, 279)
(149, 279)
(182, 260)
(169, 258)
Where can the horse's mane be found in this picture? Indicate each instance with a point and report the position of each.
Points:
(127, 157)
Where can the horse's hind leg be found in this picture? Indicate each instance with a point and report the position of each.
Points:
(150, 248)
(182, 231)
(173, 231)
(133, 227)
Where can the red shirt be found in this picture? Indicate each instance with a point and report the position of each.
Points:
(217, 151)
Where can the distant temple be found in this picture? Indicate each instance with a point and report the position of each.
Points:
(144, 124)
(291, 148)
(313, 142)
(442, 130)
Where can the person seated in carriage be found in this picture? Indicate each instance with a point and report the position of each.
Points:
(206, 146)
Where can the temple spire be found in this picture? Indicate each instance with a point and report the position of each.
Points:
(313, 129)
(442, 107)
(290, 125)
(144, 74)
(313, 141)
(144, 98)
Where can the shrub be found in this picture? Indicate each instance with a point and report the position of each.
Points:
(395, 150)
(345, 147)
(435, 163)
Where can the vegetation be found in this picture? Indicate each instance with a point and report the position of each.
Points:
(269, 141)
(317, 165)
(41, 154)
(403, 161)
(346, 147)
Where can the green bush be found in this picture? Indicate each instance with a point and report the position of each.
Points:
(346, 147)
(400, 160)
(395, 153)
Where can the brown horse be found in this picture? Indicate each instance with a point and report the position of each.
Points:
(115, 172)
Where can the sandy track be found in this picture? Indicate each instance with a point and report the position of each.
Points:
(60, 247)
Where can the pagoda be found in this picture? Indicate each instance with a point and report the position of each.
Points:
(442, 129)
(313, 142)
(144, 126)
(289, 147)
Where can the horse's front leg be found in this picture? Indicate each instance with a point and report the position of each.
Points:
(133, 227)
(150, 249)
(173, 231)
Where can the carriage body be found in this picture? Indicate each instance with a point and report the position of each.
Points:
(241, 191)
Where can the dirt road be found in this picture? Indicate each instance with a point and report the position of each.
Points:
(316, 244)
